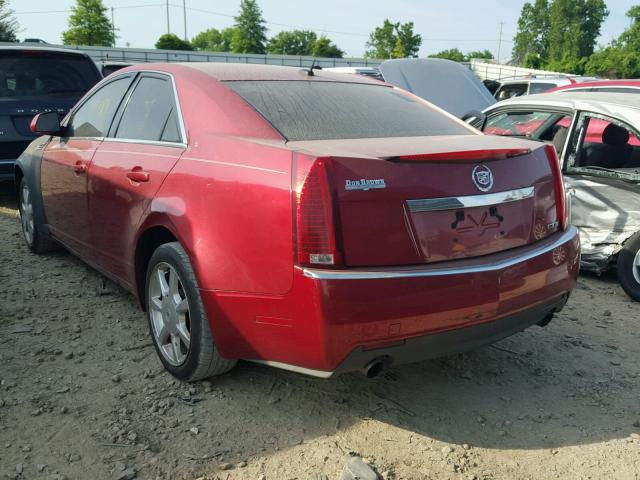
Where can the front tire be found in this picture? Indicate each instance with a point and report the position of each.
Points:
(177, 319)
(37, 241)
(629, 267)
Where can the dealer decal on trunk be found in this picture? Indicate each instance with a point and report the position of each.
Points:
(364, 184)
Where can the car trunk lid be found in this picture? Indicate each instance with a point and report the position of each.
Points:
(428, 199)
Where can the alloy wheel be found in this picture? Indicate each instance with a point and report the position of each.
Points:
(636, 266)
(169, 313)
(26, 214)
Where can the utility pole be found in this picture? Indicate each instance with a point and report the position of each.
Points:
(168, 25)
(500, 41)
(184, 14)
(113, 28)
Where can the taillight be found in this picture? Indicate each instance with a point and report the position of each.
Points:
(558, 185)
(315, 217)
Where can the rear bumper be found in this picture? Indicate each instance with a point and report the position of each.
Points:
(336, 321)
(436, 345)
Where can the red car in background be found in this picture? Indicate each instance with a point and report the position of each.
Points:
(313, 221)
(606, 86)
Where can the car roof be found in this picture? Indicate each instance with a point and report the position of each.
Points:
(245, 72)
(625, 106)
(36, 47)
(576, 100)
(532, 79)
(599, 83)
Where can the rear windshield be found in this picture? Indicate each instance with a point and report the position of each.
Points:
(312, 110)
(33, 74)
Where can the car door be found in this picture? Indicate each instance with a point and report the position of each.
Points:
(144, 143)
(66, 160)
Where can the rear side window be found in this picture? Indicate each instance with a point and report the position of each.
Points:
(35, 74)
(511, 90)
(313, 110)
(148, 114)
(523, 124)
(540, 87)
(616, 89)
(94, 116)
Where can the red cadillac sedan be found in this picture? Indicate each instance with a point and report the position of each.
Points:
(312, 221)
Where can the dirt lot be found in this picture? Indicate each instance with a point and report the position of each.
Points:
(83, 396)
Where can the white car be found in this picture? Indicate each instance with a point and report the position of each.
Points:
(597, 137)
(533, 84)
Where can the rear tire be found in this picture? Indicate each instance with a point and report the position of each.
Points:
(36, 240)
(177, 320)
(629, 267)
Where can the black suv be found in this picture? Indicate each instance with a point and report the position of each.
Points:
(37, 79)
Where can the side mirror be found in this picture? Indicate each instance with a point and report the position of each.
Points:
(47, 123)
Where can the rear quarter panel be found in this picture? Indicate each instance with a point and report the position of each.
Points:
(228, 199)
(231, 207)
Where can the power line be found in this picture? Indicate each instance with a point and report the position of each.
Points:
(32, 12)
(337, 32)
(300, 27)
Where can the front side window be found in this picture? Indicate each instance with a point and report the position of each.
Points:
(601, 144)
(94, 116)
(317, 110)
(149, 114)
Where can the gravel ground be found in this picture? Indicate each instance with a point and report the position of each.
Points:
(83, 396)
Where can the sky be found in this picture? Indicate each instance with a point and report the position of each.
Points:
(464, 24)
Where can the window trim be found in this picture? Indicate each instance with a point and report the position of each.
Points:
(580, 131)
(117, 119)
(135, 76)
(72, 113)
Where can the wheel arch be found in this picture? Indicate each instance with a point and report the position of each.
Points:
(28, 167)
(149, 239)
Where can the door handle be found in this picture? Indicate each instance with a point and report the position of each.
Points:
(80, 167)
(136, 174)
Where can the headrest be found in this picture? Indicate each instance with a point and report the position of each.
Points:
(615, 135)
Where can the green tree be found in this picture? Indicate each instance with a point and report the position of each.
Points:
(393, 40)
(558, 34)
(450, 54)
(8, 24)
(250, 35)
(323, 47)
(620, 59)
(532, 37)
(398, 51)
(574, 29)
(170, 41)
(213, 40)
(630, 38)
(89, 25)
(294, 42)
(486, 54)
(409, 40)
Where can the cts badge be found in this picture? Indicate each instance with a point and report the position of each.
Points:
(482, 178)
